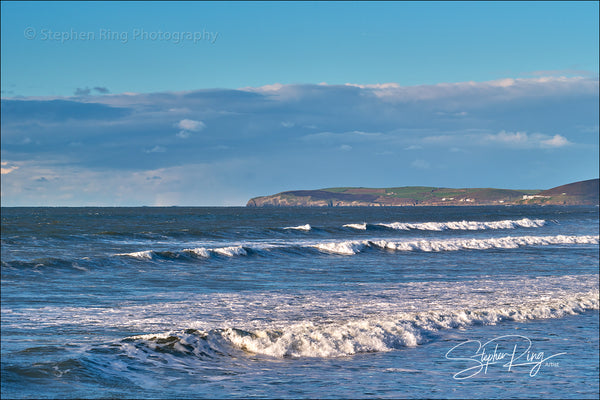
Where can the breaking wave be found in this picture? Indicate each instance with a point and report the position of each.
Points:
(455, 225)
(344, 338)
(351, 247)
(508, 242)
(228, 251)
(305, 227)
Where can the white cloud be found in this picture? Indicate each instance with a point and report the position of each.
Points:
(188, 126)
(524, 140)
(498, 89)
(355, 136)
(266, 88)
(388, 85)
(516, 140)
(191, 125)
(486, 119)
(156, 149)
(556, 141)
(503, 82)
(7, 168)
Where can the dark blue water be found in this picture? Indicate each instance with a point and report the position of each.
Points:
(300, 302)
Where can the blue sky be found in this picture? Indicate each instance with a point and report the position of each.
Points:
(213, 103)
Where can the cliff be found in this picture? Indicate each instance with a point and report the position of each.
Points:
(578, 193)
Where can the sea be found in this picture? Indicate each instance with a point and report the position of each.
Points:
(235, 302)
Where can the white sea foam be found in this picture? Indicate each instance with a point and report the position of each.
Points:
(384, 332)
(402, 330)
(231, 251)
(361, 227)
(198, 252)
(508, 242)
(317, 323)
(305, 227)
(351, 247)
(466, 225)
(228, 251)
(140, 255)
(345, 248)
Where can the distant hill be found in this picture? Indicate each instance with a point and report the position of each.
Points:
(583, 192)
(578, 193)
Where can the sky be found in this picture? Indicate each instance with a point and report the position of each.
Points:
(210, 104)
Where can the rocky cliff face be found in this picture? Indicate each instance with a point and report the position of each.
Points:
(314, 198)
(578, 193)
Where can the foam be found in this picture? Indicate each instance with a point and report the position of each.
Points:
(198, 252)
(351, 247)
(508, 242)
(305, 227)
(380, 333)
(344, 248)
(229, 251)
(140, 255)
(361, 227)
(466, 225)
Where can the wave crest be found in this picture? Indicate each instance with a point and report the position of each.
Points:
(466, 225)
(508, 242)
(305, 227)
(344, 338)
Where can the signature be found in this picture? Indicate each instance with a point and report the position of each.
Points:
(509, 351)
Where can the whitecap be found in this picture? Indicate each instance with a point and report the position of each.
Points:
(305, 227)
(361, 227)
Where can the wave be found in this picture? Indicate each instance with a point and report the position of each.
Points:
(360, 335)
(52, 263)
(360, 227)
(454, 225)
(351, 247)
(202, 252)
(305, 227)
(508, 242)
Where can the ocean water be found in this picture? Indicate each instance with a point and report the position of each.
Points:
(424, 302)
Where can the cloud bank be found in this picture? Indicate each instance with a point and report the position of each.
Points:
(222, 146)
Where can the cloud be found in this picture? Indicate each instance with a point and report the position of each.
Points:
(87, 91)
(266, 88)
(555, 141)
(282, 137)
(563, 72)
(376, 86)
(526, 141)
(191, 125)
(101, 90)
(502, 139)
(156, 149)
(7, 168)
(355, 136)
(188, 126)
(82, 91)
